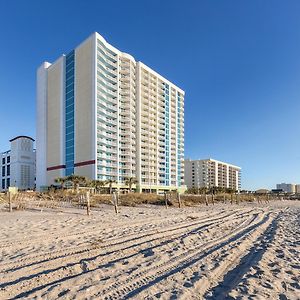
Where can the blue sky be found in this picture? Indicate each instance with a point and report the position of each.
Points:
(238, 61)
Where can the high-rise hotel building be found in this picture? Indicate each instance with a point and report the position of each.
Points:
(103, 115)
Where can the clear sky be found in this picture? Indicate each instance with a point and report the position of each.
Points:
(238, 61)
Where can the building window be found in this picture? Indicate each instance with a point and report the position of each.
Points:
(8, 170)
(3, 161)
(3, 184)
(3, 171)
(25, 176)
(69, 114)
(8, 159)
(7, 182)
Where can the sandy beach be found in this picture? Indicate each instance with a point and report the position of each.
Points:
(246, 251)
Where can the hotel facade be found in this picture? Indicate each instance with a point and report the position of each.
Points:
(17, 165)
(288, 187)
(211, 173)
(103, 115)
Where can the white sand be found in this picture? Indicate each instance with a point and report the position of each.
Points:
(222, 252)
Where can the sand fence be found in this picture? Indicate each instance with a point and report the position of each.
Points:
(88, 200)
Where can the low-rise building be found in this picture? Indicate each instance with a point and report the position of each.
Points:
(17, 165)
(211, 173)
(286, 187)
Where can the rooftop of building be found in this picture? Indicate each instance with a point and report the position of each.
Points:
(21, 136)
(111, 47)
(5, 152)
(213, 160)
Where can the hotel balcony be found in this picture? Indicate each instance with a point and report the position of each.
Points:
(103, 103)
(126, 147)
(103, 163)
(107, 52)
(105, 58)
(128, 110)
(104, 135)
(114, 57)
(125, 85)
(125, 79)
(104, 127)
(127, 140)
(130, 134)
(105, 149)
(101, 133)
(129, 105)
(103, 97)
(125, 160)
(105, 156)
(106, 112)
(105, 142)
(106, 84)
(124, 93)
(104, 67)
(106, 120)
(104, 172)
(127, 173)
(126, 119)
(101, 72)
(124, 71)
(127, 126)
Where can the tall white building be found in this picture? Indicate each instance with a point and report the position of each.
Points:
(211, 173)
(17, 168)
(287, 187)
(103, 115)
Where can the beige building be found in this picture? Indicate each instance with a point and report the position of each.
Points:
(211, 173)
(103, 115)
(160, 129)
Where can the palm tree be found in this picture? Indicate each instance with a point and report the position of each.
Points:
(97, 184)
(77, 180)
(110, 182)
(230, 190)
(203, 190)
(130, 181)
(191, 190)
(60, 180)
(214, 190)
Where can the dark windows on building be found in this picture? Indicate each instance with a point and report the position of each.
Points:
(8, 159)
(3, 171)
(3, 184)
(69, 113)
(8, 170)
(3, 160)
(7, 182)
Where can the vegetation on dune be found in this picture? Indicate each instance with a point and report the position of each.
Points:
(212, 190)
(130, 181)
(77, 191)
(2, 197)
(98, 185)
(75, 180)
(110, 183)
